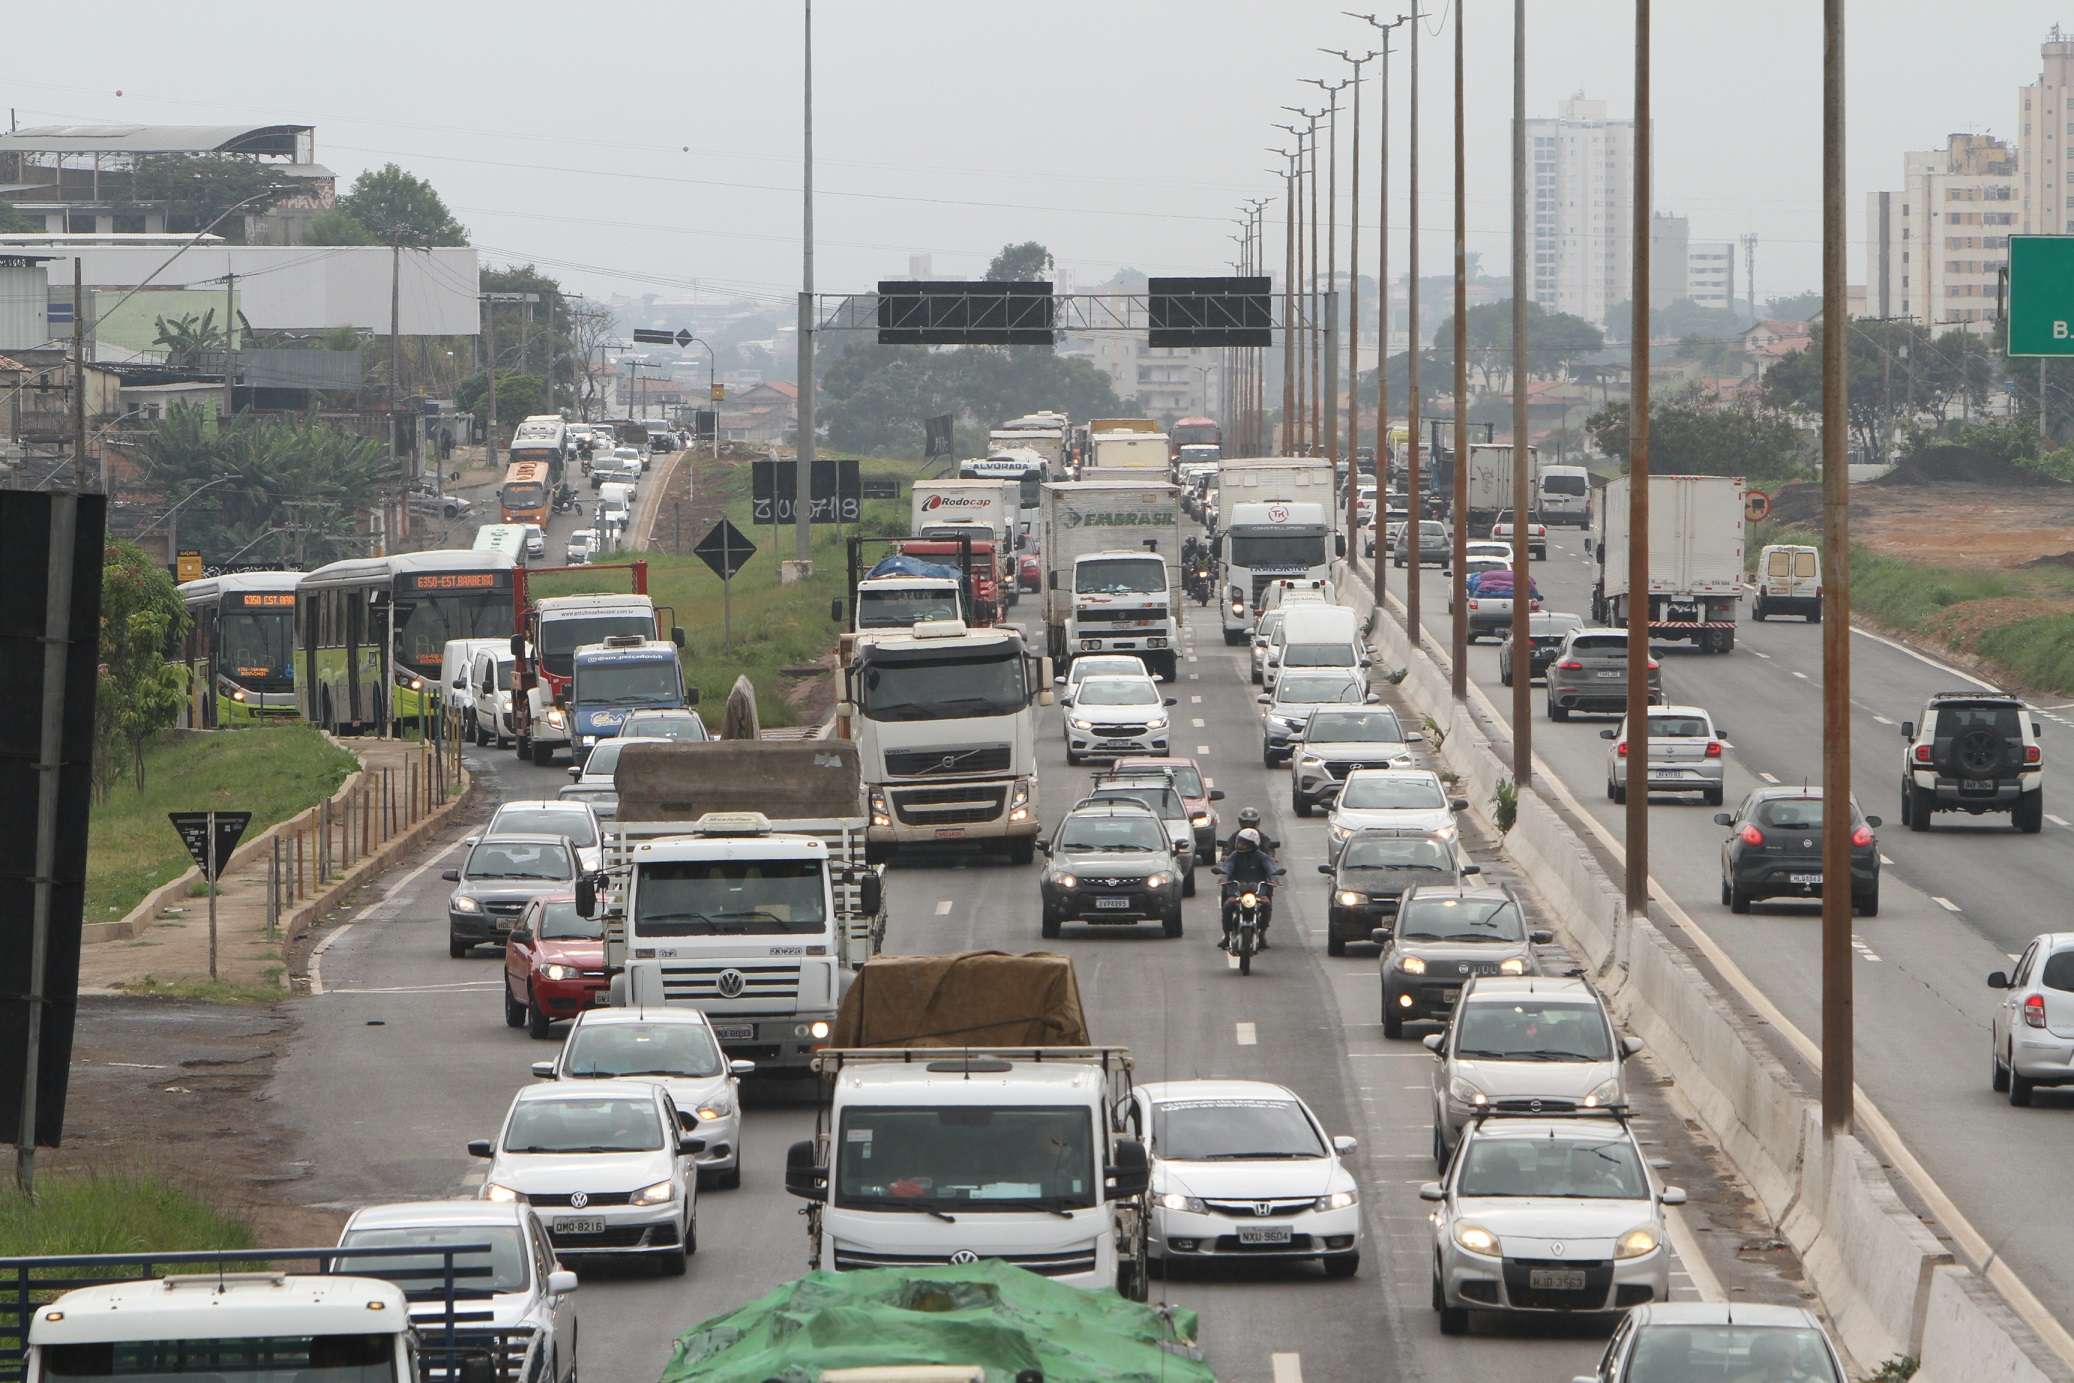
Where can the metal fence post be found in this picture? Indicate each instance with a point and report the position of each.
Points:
(273, 892)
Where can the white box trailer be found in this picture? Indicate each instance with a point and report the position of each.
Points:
(1127, 521)
(1490, 482)
(993, 502)
(1695, 558)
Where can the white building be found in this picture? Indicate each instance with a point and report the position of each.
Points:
(1710, 273)
(1170, 383)
(1580, 217)
(1669, 239)
(2044, 131)
(1935, 250)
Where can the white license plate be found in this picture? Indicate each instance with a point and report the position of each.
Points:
(564, 1224)
(1112, 902)
(1119, 744)
(1609, 673)
(1264, 1234)
(950, 832)
(504, 923)
(1976, 785)
(734, 1032)
(600, 998)
(1803, 878)
(1556, 1279)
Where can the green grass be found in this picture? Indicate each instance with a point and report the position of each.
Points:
(208, 991)
(2040, 651)
(272, 771)
(113, 1213)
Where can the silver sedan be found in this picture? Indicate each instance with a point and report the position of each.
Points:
(2032, 1035)
(1685, 754)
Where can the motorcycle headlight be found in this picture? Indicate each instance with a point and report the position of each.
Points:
(1347, 898)
(1513, 965)
(1174, 1200)
(1636, 1242)
(1412, 965)
(1068, 881)
(719, 1107)
(558, 972)
(1462, 1092)
(495, 1191)
(556, 718)
(461, 902)
(1606, 1092)
(659, 1193)
(1338, 1200)
(1477, 1239)
(1156, 880)
(1249, 900)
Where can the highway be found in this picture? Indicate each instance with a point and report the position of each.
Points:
(1955, 902)
(404, 1057)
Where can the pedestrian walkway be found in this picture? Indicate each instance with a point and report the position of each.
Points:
(276, 885)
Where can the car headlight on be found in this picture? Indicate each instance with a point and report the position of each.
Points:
(1156, 723)
(1462, 1092)
(1157, 880)
(659, 1193)
(1339, 834)
(1020, 797)
(1513, 965)
(1412, 965)
(559, 972)
(1238, 607)
(1476, 1239)
(1606, 1092)
(461, 902)
(1310, 761)
(1636, 1243)
(1174, 1200)
(818, 1029)
(1347, 898)
(1080, 724)
(556, 718)
(719, 1107)
(496, 1191)
(1067, 881)
(1199, 819)
(1338, 1200)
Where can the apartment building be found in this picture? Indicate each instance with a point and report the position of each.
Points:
(1579, 214)
(1936, 248)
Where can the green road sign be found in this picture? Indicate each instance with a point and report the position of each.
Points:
(2041, 295)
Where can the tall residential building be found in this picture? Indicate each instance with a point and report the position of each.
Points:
(1710, 273)
(1579, 219)
(2045, 129)
(1934, 250)
(1670, 238)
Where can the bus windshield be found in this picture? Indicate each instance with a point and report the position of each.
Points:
(425, 622)
(257, 649)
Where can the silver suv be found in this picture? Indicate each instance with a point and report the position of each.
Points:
(1973, 752)
(1590, 673)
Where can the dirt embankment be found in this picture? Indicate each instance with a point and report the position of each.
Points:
(1949, 523)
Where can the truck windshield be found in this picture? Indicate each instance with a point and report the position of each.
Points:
(268, 1359)
(954, 686)
(729, 898)
(902, 608)
(1251, 550)
(1121, 576)
(652, 683)
(969, 1157)
(560, 637)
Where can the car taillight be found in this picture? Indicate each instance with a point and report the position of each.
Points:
(1713, 749)
(1571, 665)
(1862, 836)
(2034, 1011)
(1752, 836)
(1652, 665)
(1472, 602)
(2033, 754)
(1620, 749)
(1922, 753)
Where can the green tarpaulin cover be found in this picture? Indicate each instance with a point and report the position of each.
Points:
(990, 1314)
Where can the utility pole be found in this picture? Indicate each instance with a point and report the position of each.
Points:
(1838, 1056)
(1312, 311)
(1382, 314)
(1328, 375)
(79, 387)
(1289, 352)
(230, 364)
(1306, 425)
(1522, 643)
(489, 437)
(1354, 322)
(1415, 502)
(402, 527)
(803, 488)
(1639, 659)
(1459, 644)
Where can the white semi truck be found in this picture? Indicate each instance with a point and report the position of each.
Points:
(1112, 581)
(736, 882)
(1277, 516)
(1695, 558)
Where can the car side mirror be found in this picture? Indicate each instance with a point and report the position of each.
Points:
(586, 895)
(1346, 1145)
(561, 1282)
(1673, 1195)
(1542, 938)
(691, 696)
(1130, 1174)
(1372, 699)
(1998, 979)
(1044, 847)
(1874, 822)
(2037, 731)
(835, 610)
(1434, 1042)
(1263, 699)
(1908, 729)
(804, 1177)
(1415, 738)
(1216, 794)
(677, 635)
(575, 771)
(1472, 869)
(1325, 869)
(1608, 735)
(1184, 848)
(479, 1147)
(1431, 1191)
(459, 684)
(739, 1068)
(1723, 819)
(1459, 804)
(452, 876)
(1381, 936)
(688, 1146)
(520, 934)
(1629, 1046)
(543, 1070)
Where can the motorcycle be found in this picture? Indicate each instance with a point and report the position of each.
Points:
(1248, 904)
(565, 500)
(1200, 584)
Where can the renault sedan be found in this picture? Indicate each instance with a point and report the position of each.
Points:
(1774, 850)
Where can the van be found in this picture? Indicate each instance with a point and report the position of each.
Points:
(1314, 590)
(1314, 635)
(1563, 495)
(1789, 582)
(456, 660)
(615, 499)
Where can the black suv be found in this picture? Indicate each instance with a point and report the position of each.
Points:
(1973, 752)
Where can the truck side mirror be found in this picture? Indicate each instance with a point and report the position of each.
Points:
(1129, 1175)
(677, 635)
(586, 896)
(871, 893)
(805, 1177)
(835, 610)
(691, 696)
(518, 647)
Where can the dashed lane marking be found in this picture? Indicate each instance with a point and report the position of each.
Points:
(1947, 904)
(1766, 656)
(2056, 820)
(1766, 776)
(1195, 700)
(1801, 675)
(1288, 1368)
(1196, 722)
(1245, 1035)
(423, 988)
(943, 907)
(1202, 749)
(1881, 719)
(1858, 945)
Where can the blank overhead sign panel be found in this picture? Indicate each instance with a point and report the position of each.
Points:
(1228, 311)
(965, 314)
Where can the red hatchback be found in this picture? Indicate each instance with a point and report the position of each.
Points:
(1195, 792)
(1029, 572)
(554, 964)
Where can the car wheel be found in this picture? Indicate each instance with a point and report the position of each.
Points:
(514, 1011)
(1342, 1264)
(538, 1024)
(1454, 1320)
(1187, 886)
(671, 1263)
(1998, 1075)
(1920, 802)
(1757, 611)
(2029, 815)
(1335, 945)
(1298, 803)
(1816, 617)
(731, 1179)
(1724, 893)
(1267, 756)
(1556, 712)
(524, 744)
(456, 947)
(1393, 1028)
(1738, 898)
(1156, 1267)
(1617, 791)
(2020, 1088)
(691, 1235)
(543, 754)
(1504, 676)
(1050, 928)
(1867, 904)
(1072, 759)
(1439, 1152)
(1907, 814)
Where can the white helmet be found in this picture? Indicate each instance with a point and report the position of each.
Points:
(1248, 839)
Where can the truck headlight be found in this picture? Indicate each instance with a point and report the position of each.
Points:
(1636, 1243)
(1477, 1239)
(656, 1193)
(461, 902)
(879, 815)
(1020, 795)
(1174, 1200)
(1238, 607)
(556, 718)
(1411, 965)
(1513, 965)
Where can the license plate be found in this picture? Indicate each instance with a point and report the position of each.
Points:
(503, 923)
(950, 832)
(1609, 673)
(1803, 878)
(734, 1032)
(600, 998)
(1556, 1279)
(1112, 902)
(1119, 744)
(1686, 613)
(1268, 1234)
(1976, 785)
(571, 1225)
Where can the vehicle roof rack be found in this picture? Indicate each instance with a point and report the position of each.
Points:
(1622, 1112)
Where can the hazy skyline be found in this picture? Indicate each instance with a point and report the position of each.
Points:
(1119, 134)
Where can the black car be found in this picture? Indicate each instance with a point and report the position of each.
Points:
(1374, 869)
(1545, 631)
(1774, 850)
(1444, 935)
(1112, 862)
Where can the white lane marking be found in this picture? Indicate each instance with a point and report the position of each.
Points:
(1801, 675)
(1881, 719)
(943, 907)
(468, 985)
(1689, 1256)
(1245, 1034)
(317, 954)
(1886, 861)
(1923, 658)
(1766, 656)
(1766, 776)
(2056, 820)
(1195, 700)
(1947, 904)
(1858, 945)
(1202, 749)
(1288, 1368)
(1196, 722)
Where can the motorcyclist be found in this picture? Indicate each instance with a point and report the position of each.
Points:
(1248, 863)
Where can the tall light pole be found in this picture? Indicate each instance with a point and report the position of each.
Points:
(1415, 501)
(1382, 315)
(1637, 880)
(1258, 376)
(1354, 315)
(1291, 356)
(1522, 644)
(1306, 423)
(1328, 373)
(803, 488)
(1458, 647)
(1838, 1058)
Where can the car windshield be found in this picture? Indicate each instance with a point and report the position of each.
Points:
(1460, 919)
(1165, 802)
(1680, 1353)
(1355, 727)
(1317, 691)
(506, 1259)
(653, 682)
(1396, 853)
(605, 1051)
(1794, 813)
(1679, 728)
(1582, 1168)
(1232, 1130)
(942, 687)
(544, 821)
(1107, 667)
(960, 1157)
(560, 921)
(583, 1126)
(506, 859)
(1116, 691)
(729, 897)
(1320, 655)
(1375, 791)
(1109, 833)
(1528, 1028)
(1120, 576)
(665, 725)
(604, 760)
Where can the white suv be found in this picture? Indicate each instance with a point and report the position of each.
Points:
(1974, 752)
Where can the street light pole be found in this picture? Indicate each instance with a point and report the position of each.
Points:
(1458, 646)
(1637, 766)
(803, 480)
(1522, 643)
(1838, 1056)
(1415, 505)
(1328, 374)
(1290, 354)
(1382, 314)
(1354, 316)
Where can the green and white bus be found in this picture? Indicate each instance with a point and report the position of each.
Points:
(240, 648)
(371, 631)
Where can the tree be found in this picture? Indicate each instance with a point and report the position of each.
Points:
(1689, 436)
(1553, 340)
(873, 397)
(399, 206)
(14, 222)
(1794, 381)
(139, 692)
(198, 189)
(1027, 261)
(334, 226)
(187, 336)
(1797, 307)
(519, 395)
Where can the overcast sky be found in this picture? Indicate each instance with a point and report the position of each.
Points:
(639, 148)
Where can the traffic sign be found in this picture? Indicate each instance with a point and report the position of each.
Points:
(194, 829)
(187, 566)
(773, 485)
(661, 336)
(719, 393)
(2041, 295)
(1756, 505)
(725, 550)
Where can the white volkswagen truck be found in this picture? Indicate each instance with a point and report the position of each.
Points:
(1112, 581)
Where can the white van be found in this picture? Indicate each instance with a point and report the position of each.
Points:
(1314, 637)
(488, 717)
(1564, 495)
(1789, 582)
(456, 662)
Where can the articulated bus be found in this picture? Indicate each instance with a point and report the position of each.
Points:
(371, 631)
(240, 648)
(525, 493)
(541, 438)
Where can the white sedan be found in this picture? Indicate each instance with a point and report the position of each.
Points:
(1243, 1170)
(1098, 665)
(1409, 799)
(1109, 717)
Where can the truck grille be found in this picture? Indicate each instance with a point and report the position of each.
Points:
(703, 983)
(928, 763)
(949, 806)
(1044, 1264)
(1105, 616)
